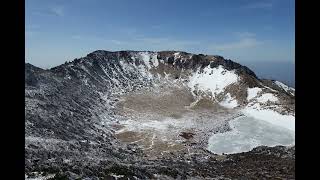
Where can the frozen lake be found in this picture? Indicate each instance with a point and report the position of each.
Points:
(248, 133)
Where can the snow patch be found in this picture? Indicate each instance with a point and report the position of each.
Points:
(40, 177)
(284, 87)
(68, 76)
(267, 97)
(212, 79)
(116, 176)
(176, 55)
(145, 56)
(229, 102)
(164, 125)
(154, 60)
(253, 92)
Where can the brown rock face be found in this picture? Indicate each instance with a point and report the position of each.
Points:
(186, 135)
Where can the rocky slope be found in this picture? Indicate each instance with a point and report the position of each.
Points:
(148, 115)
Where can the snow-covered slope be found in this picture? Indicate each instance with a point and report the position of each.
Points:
(285, 87)
(214, 80)
(71, 109)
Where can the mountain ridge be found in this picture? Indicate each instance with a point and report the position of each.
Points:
(81, 114)
(169, 53)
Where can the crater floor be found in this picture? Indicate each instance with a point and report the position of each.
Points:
(169, 119)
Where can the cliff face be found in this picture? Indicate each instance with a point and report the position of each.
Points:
(74, 112)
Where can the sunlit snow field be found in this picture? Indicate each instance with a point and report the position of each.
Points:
(248, 133)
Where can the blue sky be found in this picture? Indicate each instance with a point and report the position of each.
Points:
(241, 30)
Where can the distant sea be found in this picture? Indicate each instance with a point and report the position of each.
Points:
(280, 71)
